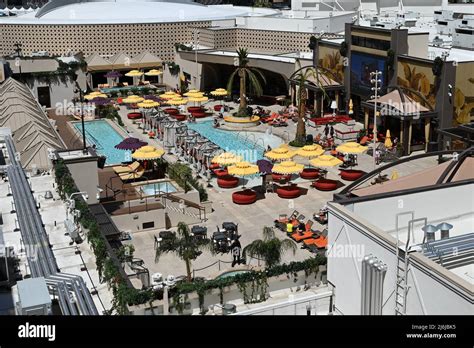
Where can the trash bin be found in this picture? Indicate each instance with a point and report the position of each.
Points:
(229, 308)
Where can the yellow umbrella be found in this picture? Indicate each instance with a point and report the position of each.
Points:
(198, 99)
(177, 101)
(325, 161)
(227, 158)
(134, 73)
(388, 141)
(95, 95)
(154, 72)
(192, 93)
(133, 99)
(219, 92)
(169, 95)
(147, 152)
(243, 169)
(148, 104)
(288, 167)
(351, 147)
(310, 151)
(280, 153)
(394, 175)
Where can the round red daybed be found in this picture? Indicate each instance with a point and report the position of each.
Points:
(214, 166)
(198, 114)
(192, 109)
(180, 117)
(325, 185)
(221, 172)
(309, 173)
(134, 115)
(217, 108)
(292, 191)
(227, 181)
(171, 111)
(279, 177)
(351, 174)
(244, 197)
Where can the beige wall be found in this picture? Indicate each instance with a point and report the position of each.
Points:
(464, 94)
(126, 222)
(106, 39)
(85, 181)
(418, 45)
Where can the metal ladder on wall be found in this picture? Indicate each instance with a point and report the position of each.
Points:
(403, 258)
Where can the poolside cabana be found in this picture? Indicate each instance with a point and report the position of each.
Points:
(171, 130)
(408, 116)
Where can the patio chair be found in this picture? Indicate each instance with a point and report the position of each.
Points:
(133, 175)
(320, 240)
(126, 169)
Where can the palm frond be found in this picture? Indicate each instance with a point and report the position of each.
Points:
(231, 80)
(254, 83)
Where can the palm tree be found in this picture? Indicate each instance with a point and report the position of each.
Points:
(270, 248)
(184, 246)
(301, 76)
(245, 74)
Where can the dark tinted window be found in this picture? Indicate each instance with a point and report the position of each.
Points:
(376, 44)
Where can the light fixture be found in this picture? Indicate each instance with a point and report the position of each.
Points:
(334, 107)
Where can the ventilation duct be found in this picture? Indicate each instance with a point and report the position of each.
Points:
(429, 232)
(373, 275)
(444, 227)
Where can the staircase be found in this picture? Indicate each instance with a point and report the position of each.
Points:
(184, 207)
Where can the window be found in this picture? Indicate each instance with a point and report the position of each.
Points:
(465, 31)
(150, 224)
(376, 44)
(442, 23)
(308, 4)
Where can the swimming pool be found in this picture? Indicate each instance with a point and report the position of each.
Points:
(157, 187)
(101, 134)
(230, 274)
(250, 145)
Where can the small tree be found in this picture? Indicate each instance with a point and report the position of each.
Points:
(184, 246)
(245, 74)
(270, 248)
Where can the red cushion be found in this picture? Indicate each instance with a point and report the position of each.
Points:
(180, 117)
(288, 191)
(278, 177)
(221, 172)
(198, 114)
(214, 166)
(227, 181)
(134, 115)
(325, 184)
(192, 109)
(171, 111)
(217, 107)
(244, 197)
(309, 173)
(351, 174)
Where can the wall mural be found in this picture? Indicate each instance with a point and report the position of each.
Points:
(419, 78)
(464, 94)
(331, 59)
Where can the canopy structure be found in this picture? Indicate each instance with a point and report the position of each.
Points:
(147, 153)
(178, 101)
(288, 167)
(219, 92)
(351, 148)
(280, 153)
(310, 151)
(325, 161)
(265, 166)
(148, 104)
(122, 61)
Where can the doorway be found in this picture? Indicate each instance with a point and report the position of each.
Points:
(44, 96)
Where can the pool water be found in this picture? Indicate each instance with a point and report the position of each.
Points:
(230, 274)
(250, 145)
(101, 134)
(157, 187)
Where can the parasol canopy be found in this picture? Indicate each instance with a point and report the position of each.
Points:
(148, 104)
(192, 93)
(243, 169)
(130, 144)
(134, 73)
(154, 72)
(226, 158)
(198, 99)
(388, 140)
(280, 153)
(169, 95)
(310, 151)
(288, 167)
(113, 74)
(351, 147)
(178, 101)
(325, 161)
(148, 153)
(264, 166)
(132, 99)
(219, 92)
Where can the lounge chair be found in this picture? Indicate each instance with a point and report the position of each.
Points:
(308, 233)
(320, 240)
(132, 175)
(126, 169)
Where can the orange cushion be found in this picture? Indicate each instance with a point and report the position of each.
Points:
(299, 237)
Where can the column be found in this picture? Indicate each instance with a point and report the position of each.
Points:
(317, 107)
(366, 119)
(337, 100)
(427, 132)
(401, 139)
(322, 104)
(410, 131)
